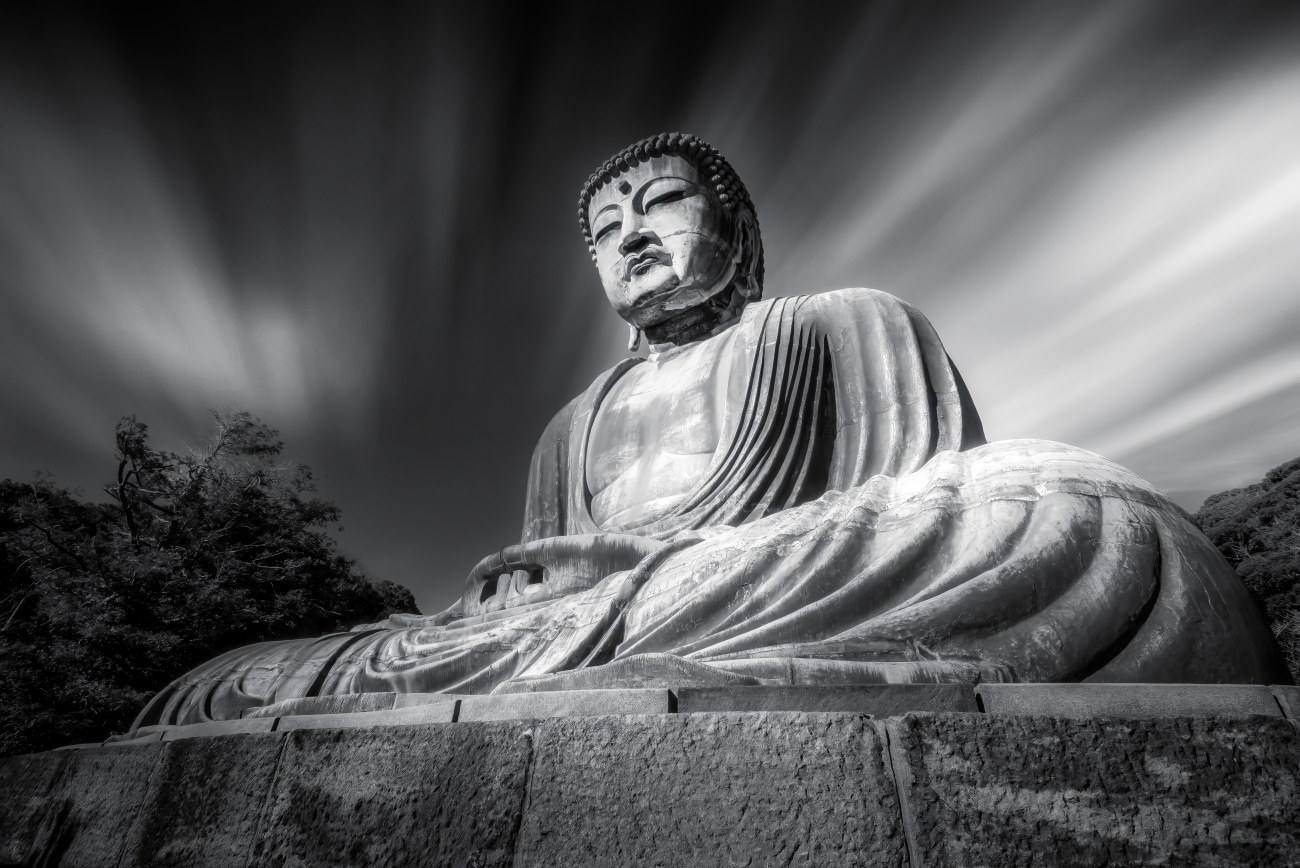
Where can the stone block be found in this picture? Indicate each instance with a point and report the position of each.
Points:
(219, 727)
(1011, 790)
(205, 801)
(98, 798)
(440, 794)
(129, 739)
(27, 813)
(441, 712)
(343, 704)
(667, 671)
(1289, 699)
(408, 700)
(878, 700)
(1129, 700)
(711, 789)
(565, 703)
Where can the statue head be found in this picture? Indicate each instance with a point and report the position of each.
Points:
(674, 236)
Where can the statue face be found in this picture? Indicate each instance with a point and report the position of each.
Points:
(662, 241)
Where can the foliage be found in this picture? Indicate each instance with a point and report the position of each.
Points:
(103, 604)
(1258, 530)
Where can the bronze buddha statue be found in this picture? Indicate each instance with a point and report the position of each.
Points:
(789, 491)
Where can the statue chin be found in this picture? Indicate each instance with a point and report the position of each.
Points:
(667, 325)
(680, 310)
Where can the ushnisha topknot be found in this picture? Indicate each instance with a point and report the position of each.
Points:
(708, 161)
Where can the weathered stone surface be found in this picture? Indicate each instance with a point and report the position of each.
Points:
(1289, 699)
(994, 790)
(27, 813)
(441, 712)
(567, 703)
(878, 700)
(1129, 700)
(704, 789)
(342, 704)
(711, 789)
(218, 727)
(205, 801)
(29, 774)
(98, 798)
(422, 795)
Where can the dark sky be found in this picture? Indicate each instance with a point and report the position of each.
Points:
(361, 225)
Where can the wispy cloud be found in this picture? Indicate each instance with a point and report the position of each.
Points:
(361, 228)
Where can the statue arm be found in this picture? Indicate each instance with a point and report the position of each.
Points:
(545, 505)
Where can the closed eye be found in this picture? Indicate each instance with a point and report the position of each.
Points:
(670, 196)
(606, 229)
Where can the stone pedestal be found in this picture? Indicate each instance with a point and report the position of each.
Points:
(1132, 784)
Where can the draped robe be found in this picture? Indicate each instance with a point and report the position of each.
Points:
(852, 527)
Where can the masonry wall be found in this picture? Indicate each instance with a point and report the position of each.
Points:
(704, 788)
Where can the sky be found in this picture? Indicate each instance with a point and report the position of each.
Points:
(360, 224)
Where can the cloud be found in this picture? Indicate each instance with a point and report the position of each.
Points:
(360, 227)
(111, 262)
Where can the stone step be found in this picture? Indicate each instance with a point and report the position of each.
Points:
(877, 700)
(1129, 700)
(566, 703)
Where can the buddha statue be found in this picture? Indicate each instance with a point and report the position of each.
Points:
(786, 491)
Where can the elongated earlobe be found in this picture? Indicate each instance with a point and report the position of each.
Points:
(746, 239)
(633, 339)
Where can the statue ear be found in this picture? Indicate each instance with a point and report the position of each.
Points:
(745, 253)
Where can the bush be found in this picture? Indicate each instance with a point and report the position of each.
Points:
(103, 604)
(1257, 528)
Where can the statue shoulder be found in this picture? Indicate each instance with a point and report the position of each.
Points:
(858, 297)
(558, 428)
(837, 306)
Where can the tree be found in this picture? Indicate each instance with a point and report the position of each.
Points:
(102, 604)
(1257, 528)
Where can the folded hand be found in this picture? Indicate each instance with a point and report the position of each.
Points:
(551, 567)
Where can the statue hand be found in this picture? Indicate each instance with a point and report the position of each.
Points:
(551, 567)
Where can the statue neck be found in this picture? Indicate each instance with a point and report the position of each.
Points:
(705, 320)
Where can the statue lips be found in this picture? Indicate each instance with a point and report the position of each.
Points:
(641, 261)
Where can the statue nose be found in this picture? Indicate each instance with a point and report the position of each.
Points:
(634, 238)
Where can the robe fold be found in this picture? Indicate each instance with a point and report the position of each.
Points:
(852, 527)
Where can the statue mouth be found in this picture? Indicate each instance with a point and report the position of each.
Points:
(641, 262)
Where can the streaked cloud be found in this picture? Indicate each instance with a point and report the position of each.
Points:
(112, 261)
(361, 228)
